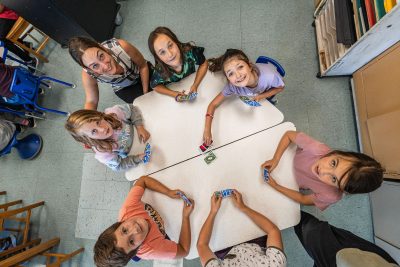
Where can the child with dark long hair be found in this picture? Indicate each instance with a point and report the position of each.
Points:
(174, 61)
(328, 174)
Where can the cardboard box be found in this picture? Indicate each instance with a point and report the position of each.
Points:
(377, 103)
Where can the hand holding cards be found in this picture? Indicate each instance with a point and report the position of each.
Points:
(249, 102)
(190, 97)
(224, 193)
(185, 199)
(266, 174)
(147, 153)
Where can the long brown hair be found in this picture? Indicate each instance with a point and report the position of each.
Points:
(217, 64)
(365, 173)
(80, 117)
(78, 45)
(183, 47)
(107, 254)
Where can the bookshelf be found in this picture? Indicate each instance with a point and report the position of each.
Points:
(336, 59)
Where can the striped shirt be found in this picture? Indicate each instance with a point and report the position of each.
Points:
(131, 70)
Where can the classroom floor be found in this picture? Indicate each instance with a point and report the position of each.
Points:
(279, 29)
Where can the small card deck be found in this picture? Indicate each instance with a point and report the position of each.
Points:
(249, 102)
(190, 97)
(185, 199)
(266, 175)
(224, 193)
(147, 153)
(210, 157)
(204, 147)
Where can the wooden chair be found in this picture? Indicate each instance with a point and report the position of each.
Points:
(21, 30)
(41, 250)
(7, 214)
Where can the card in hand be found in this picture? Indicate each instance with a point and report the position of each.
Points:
(187, 201)
(204, 147)
(224, 193)
(210, 157)
(249, 102)
(266, 174)
(192, 96)
(147, 153)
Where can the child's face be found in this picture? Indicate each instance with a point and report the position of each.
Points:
(99, 61)
(239, 73)
(131, 233)
(167, 51)
(99, 130)
(331, 169)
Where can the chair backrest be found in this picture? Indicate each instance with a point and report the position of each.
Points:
(10, 145)
(266, 60)
(24, 84)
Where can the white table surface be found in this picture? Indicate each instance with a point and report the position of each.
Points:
(177, 128)
(237, 166)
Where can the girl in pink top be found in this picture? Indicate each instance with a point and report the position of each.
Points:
(328, 174)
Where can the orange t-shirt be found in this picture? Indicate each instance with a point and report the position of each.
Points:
(154, 246)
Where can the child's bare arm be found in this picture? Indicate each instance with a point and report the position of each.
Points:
(201, 72)
(162, 89)
(207, 137)
(287, 138)
(269, 93)
(292, 194)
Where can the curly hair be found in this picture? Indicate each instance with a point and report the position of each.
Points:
(364, 175)
(106, 254)
(80, 117)
(183, 47)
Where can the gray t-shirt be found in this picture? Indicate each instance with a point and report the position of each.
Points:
(7, 130)
(251, 255)
(268, 77)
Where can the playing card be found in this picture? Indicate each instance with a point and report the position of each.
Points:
(192, 96)
(146, 159)
(204, 147)
(224, 193)
(187, 201)
(210, 157)
(147, 149)
(249, 102)
(266, 174)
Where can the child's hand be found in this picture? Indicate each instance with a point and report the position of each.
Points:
(207, 137)
(141, 155)
(143, 134)
(238, 200)
(193, 89)
(257, 98)
(271, 181)
(187, 209)
(215, 203)
(174, 193)
(270, 165)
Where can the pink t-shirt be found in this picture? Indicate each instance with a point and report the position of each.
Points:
(155, 246)
(308, 152)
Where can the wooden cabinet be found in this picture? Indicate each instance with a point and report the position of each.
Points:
(376, 93)
(337, 59)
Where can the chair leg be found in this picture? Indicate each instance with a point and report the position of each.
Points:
(57, 81)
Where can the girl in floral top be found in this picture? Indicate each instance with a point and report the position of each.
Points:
(174, 61)
(109, 134)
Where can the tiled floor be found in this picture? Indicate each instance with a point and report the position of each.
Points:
(279, 29)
